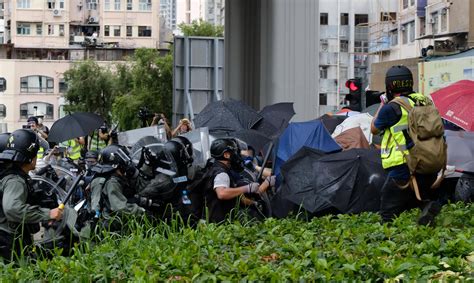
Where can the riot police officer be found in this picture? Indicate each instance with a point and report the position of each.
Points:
(110, 191)
(167, 191)
(19, 216)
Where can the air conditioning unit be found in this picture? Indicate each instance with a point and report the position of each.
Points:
(56, 12)
(93, 20)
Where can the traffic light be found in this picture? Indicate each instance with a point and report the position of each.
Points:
(355, 93)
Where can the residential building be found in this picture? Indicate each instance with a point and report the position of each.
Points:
(45, 37)
(404, 30)
(343, 49)
(207, 10)
(168, 12)
(188, 11)
(2, 22)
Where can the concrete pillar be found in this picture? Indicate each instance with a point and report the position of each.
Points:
(272, 53)
(242, 51)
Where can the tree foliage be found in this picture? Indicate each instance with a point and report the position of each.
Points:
(201, 28)
(90, 89)
(149, 83)
(144, 81)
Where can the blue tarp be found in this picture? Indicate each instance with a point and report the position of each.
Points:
(312, 134)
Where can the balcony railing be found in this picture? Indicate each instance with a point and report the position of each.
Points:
(380, 44)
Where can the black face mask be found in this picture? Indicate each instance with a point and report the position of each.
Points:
(236, 163)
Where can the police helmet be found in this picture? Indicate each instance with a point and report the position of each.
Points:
(115, 156)
(3, 141)
(22, 146)
(92, 154)
(398, 79)
(181, 149)
(222, 145)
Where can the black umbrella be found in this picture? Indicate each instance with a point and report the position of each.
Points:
(372, 109)
(74, 125)
(347, 181)
(227, 115)
(330, 122)
(275, 118)
(460, 150)
(251, 137)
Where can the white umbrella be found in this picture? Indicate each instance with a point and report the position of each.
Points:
(362, 120)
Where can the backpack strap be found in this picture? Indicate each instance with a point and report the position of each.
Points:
(402, 102)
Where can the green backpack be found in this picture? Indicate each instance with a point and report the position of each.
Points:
(425, 128)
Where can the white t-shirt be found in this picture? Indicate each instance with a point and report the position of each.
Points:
(222, 180)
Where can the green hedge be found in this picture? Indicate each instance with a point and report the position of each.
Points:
(326, 249)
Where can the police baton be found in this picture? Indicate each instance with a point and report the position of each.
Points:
(77, 182)
(265, 160)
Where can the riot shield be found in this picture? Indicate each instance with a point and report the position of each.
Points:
(130, 138)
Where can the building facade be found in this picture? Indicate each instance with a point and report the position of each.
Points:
(43, 39)
(403, 30)
(207, 10)
(168, 12)
(343, 50)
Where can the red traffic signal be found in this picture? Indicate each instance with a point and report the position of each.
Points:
(352, 85)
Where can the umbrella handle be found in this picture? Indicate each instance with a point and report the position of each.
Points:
(265, 160)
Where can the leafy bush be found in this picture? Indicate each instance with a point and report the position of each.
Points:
(326, 249)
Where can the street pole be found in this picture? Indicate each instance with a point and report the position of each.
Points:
(338, 53)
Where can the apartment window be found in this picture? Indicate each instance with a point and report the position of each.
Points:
(323, 99)
(385, 16)
(32, 108)
(361, 46)
(91, 4)
(422, 26)
(444, 20)
(23, 4)
(323, 19)
(51, 4)
(62, 86)
(344, 19)
(435, 23)
(129, 5)
(324, 45)
(412, 2)
(106, 30)
(61, 4)
(144, 5)
(117, 30)
(394, 37)
(50, 29)
(323, 72)
(129, 31)
(344, 46)
(36, 84)
(107, 5)
(360, 19)
(3, 111)
(144, 31)
(61, 30)
(117, 5)
(22, 29)
(39, 29)
(405, 34)
(411, 30)
(405, 4)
